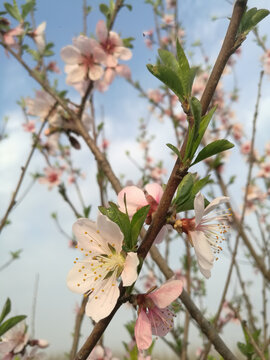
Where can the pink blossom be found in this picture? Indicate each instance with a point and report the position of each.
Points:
(53, 67)
(40, 105)
(246, 147)
(9, 36)
(105, 144)
(84, 59)
(264, 170)
(29, 126)
(150, 280)
(154, 315)
(101, 353)
(170, 4)
(168, 19)
(39, 36)
(112, 45)
(155, 95)
(266, 61)
(14, 340)
(52, 177)
(136, 198)
(157, 173)
(237, 131)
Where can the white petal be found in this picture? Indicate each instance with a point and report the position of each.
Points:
(102, 301)
(110, 232)
(129, 274)
(95, 72)
(41, 28)
(88, 238)
(75, 279)
(77, 74)
(135, 199)
(203, 252)
(216, 202)
(70, 54)
(199, 207)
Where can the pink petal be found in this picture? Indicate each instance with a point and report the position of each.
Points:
(109, 76)
(84, 45)
(110, 232)
(95, 72)
(199, 207)
(203, 252)
(143, 331)
(167, 293)
(155, 190)
(124, 71)
(161, 235)
(161, 320)
(70, 55)
(77, 74)
(129, 274)
(123, 53)
(111, 61)
(101, 31)
(216, 202)
(135, 199)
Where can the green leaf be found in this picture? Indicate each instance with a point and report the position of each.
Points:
(28, 7)
(203, 126)
(184, 190)
(196, 109)
(86, 211)
(127, 42)
(121, 219)
(189, 203)
(104, 9)
(250, 19)
(168, 77)
(4, 327)
(6, 310)
(168, 59)
(175, 150)
(183, 67)
(128, 6)
(212, 149)
(137, 223)
(13, 11)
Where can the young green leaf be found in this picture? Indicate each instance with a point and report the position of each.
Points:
(196, 109)
(168, 59)
(168, 77)
(184, 190)
(28, 7)
(175, 150)
(212, 149)
(13, 11)
(8, 324)
(183, 67)
(6, 310)
(137, 223)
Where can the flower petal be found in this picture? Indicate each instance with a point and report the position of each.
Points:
(135, 199)
(167, 293)
(77, 74)
(216, 202)
(87, 236)
(129, 274)
(70, 54)
(110, 232)
(101, 31)
(161, 320)
(75, 279)
(143, 331)
(203, 252)
(199, 207)
(155, 190)
(123, 53)
(161, 235)
(103, 300)
(95, 72)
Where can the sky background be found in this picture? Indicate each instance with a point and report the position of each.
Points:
(45, 250)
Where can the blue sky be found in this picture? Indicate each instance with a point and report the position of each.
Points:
(44, 249)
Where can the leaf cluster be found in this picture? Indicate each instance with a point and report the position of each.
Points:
(130, 227)
(8, 324)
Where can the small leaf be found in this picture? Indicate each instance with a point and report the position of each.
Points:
(196, 109)
(4, 327)
(6, 310)
(137, 223)
(175, 150)
(13, 11)
(184, 190)
(183, 67)
(86, 211)
(212, 149)
(28, 7)
(169, 78)
(104, 9)
(168, 59)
